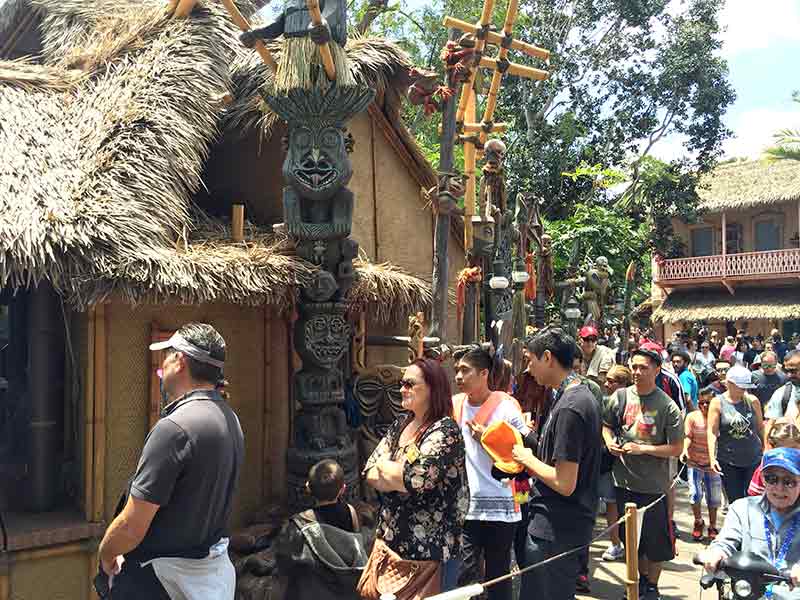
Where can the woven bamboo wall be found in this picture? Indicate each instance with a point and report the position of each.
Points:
(55, 578)
(129, 331)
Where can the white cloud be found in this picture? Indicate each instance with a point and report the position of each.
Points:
(755, 26)
(753, 130)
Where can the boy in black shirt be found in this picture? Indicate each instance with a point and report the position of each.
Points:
(564, 496)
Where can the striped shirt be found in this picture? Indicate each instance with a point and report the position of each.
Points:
(698, 433)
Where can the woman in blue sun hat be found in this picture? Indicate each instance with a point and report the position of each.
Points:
(767, 525)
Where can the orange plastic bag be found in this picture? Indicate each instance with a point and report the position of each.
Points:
(498, 440)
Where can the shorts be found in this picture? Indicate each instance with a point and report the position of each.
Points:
(605, 487)
(657, 543)
(705, 483)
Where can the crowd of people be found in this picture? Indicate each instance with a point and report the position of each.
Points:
(510, 469)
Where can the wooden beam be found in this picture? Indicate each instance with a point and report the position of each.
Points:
(237, 222)
(480, 44)
(469, 172)
(724, 245)
(100, 395)
(50, 552)
(266, 472)
(184, 8)
(89, 420)
(729, 286)
(324, 49)
(478, 128)
(242, 24)
(496, 38)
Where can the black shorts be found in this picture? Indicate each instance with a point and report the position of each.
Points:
(657, 543)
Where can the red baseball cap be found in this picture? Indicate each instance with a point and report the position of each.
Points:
(588, 331)
(650, 349)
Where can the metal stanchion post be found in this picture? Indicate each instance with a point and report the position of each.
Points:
(632, 551)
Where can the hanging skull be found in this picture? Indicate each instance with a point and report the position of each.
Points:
(494, 152)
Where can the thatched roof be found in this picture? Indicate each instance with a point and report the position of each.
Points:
(102, 148)
(743, 185)
(748, 303)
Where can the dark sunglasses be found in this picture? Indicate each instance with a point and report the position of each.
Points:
(701, 403)
(589, 339)
(790, 370)
(407, 384)
(772, 479)
(722, 369)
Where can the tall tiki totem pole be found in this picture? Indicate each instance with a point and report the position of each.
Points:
(316, 96)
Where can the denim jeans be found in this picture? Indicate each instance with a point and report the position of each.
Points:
(451, 569)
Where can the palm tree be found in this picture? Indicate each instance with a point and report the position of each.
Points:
(787, 142)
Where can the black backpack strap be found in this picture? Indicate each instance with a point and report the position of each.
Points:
(787, 395)
(621, 405)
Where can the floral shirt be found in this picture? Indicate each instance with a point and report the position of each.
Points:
(427, 522)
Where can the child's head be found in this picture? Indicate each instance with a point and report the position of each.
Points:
(326, 481)
(784, 434)
(706, 394)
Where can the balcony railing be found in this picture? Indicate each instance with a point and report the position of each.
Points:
(747, 265)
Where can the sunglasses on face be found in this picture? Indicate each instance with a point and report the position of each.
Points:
(704, 403)
(589, 339)
(790, 370)
(722, 369)
(768, 365)
(407, 384)
(772, 479)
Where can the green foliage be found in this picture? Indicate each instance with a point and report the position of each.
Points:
(787, 141)
(601, 231)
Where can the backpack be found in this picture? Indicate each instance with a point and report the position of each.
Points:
(607, 459)
(787, 395)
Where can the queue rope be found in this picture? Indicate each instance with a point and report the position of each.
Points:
(602, 534)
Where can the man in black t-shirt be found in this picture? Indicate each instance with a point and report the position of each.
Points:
(171, 530)
(564, 496)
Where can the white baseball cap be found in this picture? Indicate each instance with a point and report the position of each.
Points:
(741, 377)
(181, 344)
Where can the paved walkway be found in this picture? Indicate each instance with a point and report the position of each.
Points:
(680, 577)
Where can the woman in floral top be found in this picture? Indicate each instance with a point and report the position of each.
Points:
(419, 466)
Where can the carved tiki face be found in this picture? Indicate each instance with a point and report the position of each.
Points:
(317, 163)
(601, 264)
(494, 153)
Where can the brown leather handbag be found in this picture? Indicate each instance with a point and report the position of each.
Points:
(386, 572)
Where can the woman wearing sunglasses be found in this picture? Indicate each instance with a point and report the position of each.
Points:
(419, 466)
(766, 525)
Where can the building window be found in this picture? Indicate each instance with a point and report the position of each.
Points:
(733, 235)
(702, 241)
(767, 235)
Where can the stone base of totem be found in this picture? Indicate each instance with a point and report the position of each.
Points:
(299, 461)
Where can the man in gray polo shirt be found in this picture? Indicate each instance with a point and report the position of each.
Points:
(171, 531)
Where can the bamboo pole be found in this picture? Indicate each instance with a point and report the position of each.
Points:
(237, 220)
(88, 451)
(632, 551)
(266, 472)
(173, 4)
(478, 127)
(497, 75)
(100, 390)
(184, 8)
(242, 24)
(469, 171)
(496, 38)
(480, 44)
(324, 49)
(515, 69)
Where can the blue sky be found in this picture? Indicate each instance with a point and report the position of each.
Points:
(762, 46)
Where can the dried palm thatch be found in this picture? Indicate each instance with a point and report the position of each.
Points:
(376, 282)
(748, 303)
(744, 185)
(373, 62)
(101, 150)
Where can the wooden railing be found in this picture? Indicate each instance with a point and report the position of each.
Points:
(744, 264)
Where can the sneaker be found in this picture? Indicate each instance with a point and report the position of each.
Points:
(582, 584)
(697, 532)
(613, 553)
(651, 592)
(713, 532)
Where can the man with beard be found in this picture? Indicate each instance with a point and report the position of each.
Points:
(785, 400)
(768, 378)
(680, 362)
